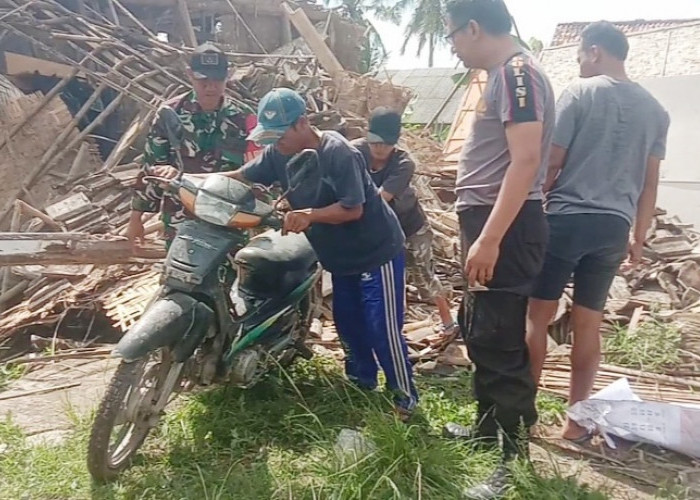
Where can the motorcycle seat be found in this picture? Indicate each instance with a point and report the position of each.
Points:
(274, 251)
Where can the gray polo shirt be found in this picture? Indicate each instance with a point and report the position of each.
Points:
(516, 92)
(609, 129)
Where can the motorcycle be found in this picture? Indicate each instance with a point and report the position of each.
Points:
(200, 329)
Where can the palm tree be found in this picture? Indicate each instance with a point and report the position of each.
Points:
(427, 25)
(374, 52)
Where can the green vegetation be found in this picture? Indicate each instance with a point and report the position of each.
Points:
(10, 372)
(278, 441)
(652, 346)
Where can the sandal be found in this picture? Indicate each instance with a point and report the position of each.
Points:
(582, 440)
(450, 330)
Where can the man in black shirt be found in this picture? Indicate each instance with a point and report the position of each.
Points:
(392, 169)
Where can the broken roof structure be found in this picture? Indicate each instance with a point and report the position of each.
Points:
(66, 206)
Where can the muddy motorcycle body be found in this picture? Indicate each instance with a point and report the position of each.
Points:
(202, 329)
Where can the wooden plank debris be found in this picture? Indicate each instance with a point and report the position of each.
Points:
(69, 207)
(316, 43)
(70, 248)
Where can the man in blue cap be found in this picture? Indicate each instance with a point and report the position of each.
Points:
(355, 234)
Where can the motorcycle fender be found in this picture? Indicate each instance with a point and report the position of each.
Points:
(177, 320)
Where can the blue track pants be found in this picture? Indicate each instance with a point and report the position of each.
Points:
(368, 310)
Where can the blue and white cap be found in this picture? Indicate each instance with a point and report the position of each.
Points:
(278, 110)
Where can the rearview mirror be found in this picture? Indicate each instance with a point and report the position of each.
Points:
(169, 125)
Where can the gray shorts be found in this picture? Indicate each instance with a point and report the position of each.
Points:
(420, 269)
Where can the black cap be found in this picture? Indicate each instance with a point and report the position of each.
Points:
(384, 126)
(209, 62)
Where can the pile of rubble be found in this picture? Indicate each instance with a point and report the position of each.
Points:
(80, 221)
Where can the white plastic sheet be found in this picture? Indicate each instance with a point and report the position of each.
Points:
(618, 411)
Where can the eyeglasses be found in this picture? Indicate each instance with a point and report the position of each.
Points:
(450, 37)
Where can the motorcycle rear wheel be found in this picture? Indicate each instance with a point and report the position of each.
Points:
(130, 408)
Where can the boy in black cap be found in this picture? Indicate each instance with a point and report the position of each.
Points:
(215, 139)
(392, 169)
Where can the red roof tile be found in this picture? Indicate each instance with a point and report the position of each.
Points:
(570, 33)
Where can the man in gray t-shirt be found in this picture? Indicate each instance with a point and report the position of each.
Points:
(502, 224)
(604, 168)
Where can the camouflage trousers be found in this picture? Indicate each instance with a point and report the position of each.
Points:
(420, 270)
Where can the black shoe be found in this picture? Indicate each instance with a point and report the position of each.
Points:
(494, 488)
(471, 434)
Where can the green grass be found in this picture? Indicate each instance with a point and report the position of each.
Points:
(277, 441)
(10, 372)
(653, 346)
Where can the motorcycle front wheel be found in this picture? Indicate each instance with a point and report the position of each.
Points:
(131, 407)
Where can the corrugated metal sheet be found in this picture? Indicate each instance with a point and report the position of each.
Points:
(570, 33)
(431, 87)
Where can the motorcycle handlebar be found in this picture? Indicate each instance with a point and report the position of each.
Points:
(274, 220)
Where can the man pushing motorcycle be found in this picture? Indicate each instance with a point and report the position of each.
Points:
(355, 235)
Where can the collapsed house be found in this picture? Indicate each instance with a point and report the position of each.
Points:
(65, 256)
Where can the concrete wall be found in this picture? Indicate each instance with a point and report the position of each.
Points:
(681, 97)
(670, 52)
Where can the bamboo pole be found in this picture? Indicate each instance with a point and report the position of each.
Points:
(27, 209)
(112, 12)
(75, 169)
(13, 292)
(80, 137)
(14, 227)
(90, 57)
(245, 25)
(133, 18)
(16, 10)
(39, 169)
(138, 125)
(70, 127)
(44, 102)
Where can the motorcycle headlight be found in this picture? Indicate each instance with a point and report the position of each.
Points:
(213, 209)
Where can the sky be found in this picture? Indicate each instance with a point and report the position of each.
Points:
(537, 18)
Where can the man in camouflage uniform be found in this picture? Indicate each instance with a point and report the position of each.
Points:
(392, 169)
(214, 141)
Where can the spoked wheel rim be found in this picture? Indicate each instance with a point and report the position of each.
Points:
(141, 407)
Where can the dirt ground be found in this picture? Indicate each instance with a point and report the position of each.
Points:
(43, 401)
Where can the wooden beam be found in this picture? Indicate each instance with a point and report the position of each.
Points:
(186, 21)
(133, 18)
(21, 249)
(314, 40)
(19, 65)
(245, 7)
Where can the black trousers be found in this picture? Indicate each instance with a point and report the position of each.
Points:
(493, 322)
